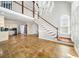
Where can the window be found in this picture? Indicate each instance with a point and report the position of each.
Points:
(6, 4)
(65, 24)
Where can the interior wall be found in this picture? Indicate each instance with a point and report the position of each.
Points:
(16, 7)
(32, 28)
(60, 8)
(1, 21)
(75, 25)
(28, 12)
(13, 24)
(74, 20)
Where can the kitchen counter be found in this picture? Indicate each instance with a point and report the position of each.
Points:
(4, 36)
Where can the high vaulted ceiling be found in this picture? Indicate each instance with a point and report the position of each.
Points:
(45, 7)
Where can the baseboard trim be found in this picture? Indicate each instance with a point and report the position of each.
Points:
(61, 42)
(64, 43)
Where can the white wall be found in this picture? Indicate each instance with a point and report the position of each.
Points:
(10, 23)
(19, 2)
(60, 9)
(16, 7)
(13, 24)
(27, 5)
(22, 29)
(75, 25)
(1, 21)
(28, 12)
(32, 28)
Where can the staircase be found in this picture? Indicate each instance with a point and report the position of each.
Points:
(49, 30)
(52, 31)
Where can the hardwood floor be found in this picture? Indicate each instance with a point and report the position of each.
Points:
(33, 47)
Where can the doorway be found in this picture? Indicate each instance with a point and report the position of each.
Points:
(23, 29)
(64, 34)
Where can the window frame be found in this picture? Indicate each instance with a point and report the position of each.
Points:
(6, 4)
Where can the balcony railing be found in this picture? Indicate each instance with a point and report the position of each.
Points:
(6, 4)
(21, 8)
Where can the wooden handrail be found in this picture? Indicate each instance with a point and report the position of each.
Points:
(33, 9)
(22, 7)
(48, 22)
(40, 16)
(44, 19)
